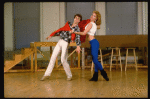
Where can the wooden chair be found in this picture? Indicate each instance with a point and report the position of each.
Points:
(134, 54)
(117, 55)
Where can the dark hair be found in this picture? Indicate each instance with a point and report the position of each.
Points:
(79, 15)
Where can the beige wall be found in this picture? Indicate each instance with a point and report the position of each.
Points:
(8, 26)
(145, 18)
(52, 17)
(100, 6)
(142, 18)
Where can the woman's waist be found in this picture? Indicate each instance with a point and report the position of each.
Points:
(91, 37)
(94, 41)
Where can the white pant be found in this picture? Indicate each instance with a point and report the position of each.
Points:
(61, 45)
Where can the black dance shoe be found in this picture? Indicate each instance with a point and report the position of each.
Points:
(104, 74)
(95, 77)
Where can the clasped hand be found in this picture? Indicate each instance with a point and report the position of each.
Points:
(71, 31)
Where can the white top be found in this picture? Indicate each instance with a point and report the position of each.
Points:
(93, 29)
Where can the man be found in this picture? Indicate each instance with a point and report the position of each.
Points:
(65, 39)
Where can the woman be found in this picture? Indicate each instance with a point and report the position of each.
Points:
(90, 29)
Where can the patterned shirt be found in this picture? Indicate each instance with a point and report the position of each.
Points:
(66, 35)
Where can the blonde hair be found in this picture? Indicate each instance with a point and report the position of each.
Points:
(98, 15)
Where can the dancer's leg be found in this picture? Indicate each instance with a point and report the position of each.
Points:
(64, 59)
(53, 59)
(94, 52)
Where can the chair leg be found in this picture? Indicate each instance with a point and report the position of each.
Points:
(101, 57)
(111, 60)
(135, 60)
(126, 59)
(120, 60)
(92, 66)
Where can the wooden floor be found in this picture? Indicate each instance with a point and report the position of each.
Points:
(122, 84)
